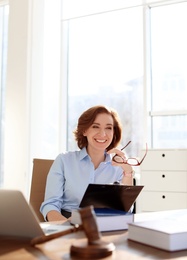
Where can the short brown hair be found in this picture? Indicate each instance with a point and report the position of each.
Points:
(86, 120)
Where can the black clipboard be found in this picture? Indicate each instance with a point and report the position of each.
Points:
(114, 196)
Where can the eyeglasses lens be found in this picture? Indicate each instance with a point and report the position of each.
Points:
(118, 159)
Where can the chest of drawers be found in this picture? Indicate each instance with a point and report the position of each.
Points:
(164, 176)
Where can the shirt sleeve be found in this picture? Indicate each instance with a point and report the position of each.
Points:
(54, 188)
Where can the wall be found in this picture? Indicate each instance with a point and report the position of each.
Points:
(25, 25)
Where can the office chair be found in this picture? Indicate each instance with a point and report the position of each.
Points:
(39, 175)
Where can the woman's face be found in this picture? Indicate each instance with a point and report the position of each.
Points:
(100, 133)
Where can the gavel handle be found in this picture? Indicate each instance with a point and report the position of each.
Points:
(45, 238)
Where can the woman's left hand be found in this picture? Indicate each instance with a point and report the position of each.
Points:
(126, 167)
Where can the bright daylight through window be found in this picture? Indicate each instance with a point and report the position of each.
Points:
(106, 67)
(169, 77)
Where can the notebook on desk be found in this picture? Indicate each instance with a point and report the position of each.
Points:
(17, 218)
(115, 196)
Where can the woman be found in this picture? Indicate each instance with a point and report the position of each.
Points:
(98, 133)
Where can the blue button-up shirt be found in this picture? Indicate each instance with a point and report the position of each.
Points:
(69, 177)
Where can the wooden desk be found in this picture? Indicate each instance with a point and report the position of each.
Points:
(58, 249)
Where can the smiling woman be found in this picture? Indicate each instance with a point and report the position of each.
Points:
(103, 120)
(97, 134)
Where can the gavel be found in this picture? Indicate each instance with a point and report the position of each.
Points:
(94, 248)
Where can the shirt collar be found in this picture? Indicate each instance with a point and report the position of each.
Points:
(108, 158)
(84, 154)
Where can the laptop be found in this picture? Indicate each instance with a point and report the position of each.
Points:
(113, 196)
(17, 217)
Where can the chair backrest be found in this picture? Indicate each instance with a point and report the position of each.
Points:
(39, 175)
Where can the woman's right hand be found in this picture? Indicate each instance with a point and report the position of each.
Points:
(55, 215)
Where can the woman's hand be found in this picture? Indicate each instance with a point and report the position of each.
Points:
(128, 171)
(126, 167)
(54, 215)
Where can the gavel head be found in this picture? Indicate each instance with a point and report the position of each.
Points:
(95, 248)
(89, 224)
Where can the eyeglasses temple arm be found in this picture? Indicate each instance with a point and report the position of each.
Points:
(125, 145)
(144, 155)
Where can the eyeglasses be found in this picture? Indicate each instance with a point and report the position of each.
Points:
(131, 161)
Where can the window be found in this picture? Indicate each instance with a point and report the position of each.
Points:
(101, 57)
(3, 58)
(168, 113)
(105, 66)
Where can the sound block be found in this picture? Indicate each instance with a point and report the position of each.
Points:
(91, 251)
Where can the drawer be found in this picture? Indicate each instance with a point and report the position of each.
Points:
(155, 201)
(164, 181)
(171, 160)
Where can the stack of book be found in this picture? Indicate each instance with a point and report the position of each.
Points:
(112, 204)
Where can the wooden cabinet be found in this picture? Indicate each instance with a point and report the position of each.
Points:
(164, 176)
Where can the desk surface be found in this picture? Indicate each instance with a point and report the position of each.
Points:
(58, 249)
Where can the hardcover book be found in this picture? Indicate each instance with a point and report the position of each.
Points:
(107, 219)
(167, 232)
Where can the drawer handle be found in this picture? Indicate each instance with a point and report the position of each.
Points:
(163, 155)
(163, 175)
(163, 196)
